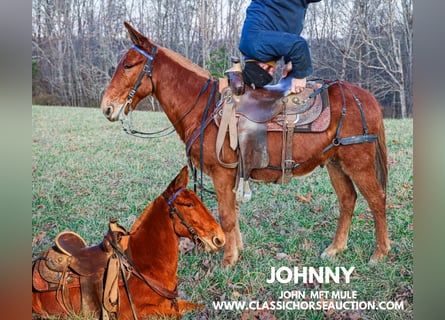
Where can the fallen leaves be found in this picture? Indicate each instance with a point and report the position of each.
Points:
(365, 216)
(406, 186)
(41, 238)
(38, 238)
(258, 315)
(281, 256)
(355, 315)
(307, 244)
(185, 245)
(393, 206)
(304, 199)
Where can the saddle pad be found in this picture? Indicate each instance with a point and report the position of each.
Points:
(320, 124)
(315, 119)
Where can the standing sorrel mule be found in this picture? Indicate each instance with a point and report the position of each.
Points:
(184, 91)
(150, 255)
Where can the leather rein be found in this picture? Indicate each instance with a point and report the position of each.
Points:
(198, 132)
(127, 263)
(147, 70)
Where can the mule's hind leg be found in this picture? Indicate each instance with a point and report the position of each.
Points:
(344, 188)
(371, 189)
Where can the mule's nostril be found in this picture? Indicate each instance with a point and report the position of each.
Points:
(107, 111)
(218, 242)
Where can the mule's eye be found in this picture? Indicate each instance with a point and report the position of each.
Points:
(187, 204)
(128, 66)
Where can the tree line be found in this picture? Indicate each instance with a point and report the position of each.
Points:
(77, 43)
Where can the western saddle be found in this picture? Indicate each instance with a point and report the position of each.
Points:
(246, 115)
(70, 263)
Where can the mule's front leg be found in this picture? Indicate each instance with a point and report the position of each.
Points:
(228, 214)
(239, 238)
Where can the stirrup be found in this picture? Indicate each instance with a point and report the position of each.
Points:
(243, 192)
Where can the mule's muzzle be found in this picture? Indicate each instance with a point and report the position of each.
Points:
(108, 111)
(218, 242)
(210, 244)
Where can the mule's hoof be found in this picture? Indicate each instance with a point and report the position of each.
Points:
(376, 259)
(373, 262)
(229, 261)
(326, 255)
(378, 256)
(331, 252)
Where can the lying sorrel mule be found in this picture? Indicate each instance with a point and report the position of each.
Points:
(184, 91)
(149, 254)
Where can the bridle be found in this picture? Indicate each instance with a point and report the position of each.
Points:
(126, 123)
(146, 70)
(126, 262)
(173, 210)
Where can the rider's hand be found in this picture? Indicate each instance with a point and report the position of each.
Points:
(287, 69)
(298, 85)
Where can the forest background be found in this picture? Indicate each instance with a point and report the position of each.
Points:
(77, 43)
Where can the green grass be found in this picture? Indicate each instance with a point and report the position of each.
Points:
(85, 170)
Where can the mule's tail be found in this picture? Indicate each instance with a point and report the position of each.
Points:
(381, 157)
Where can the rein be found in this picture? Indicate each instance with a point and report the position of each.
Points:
(126, 123)
(146, 71)
(133, 269)
(126, 127)
(126, 262)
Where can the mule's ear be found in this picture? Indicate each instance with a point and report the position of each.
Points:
(180, 181)
(136, 37)
(182, 178)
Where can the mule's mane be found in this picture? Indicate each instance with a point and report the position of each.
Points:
(147, 211)
(185, 63)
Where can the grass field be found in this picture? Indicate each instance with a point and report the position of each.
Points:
(85, 170)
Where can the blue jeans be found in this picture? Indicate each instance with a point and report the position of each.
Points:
(272, 45)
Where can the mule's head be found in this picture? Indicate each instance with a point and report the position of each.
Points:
(191, 218)
(132, 80)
